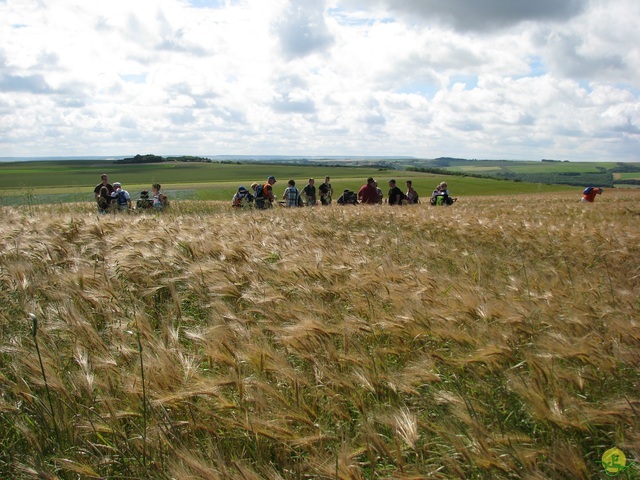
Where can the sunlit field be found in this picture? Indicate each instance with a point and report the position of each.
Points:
(498, 338)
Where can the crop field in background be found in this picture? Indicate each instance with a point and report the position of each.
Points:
(31, 183)
(494, 339)
(577, 174)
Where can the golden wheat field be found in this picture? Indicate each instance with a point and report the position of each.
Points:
(497, 338)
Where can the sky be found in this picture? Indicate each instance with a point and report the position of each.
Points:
(485, 79)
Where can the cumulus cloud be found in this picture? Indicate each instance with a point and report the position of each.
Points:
(491, 79)
(26, 83)
(301, 29)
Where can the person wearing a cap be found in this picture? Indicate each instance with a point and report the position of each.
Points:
(122, 197)
(368, 193)
(242, 198)
(267, 191)
(263, 193)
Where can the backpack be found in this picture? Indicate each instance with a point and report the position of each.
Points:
(259, 193)
(260, 199)
(144, 202)
(121, 198)
(103, 203)
(164, 200)
(587, 191)
(348, 197)
(299, 202)
(442, 200)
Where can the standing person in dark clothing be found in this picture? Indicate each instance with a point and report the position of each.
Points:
(103, 193)
(309, 193)
(326, 192)
(104, 183)
(396, 196)
(368, 193)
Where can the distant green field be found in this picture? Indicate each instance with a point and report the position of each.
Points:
(73, 181)
(549, 167)
(531, 167)
(630, 176)
(576, 174)
(475, 169)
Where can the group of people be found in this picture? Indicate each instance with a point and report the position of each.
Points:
(262, 196)
(370, 193)
(113, 198)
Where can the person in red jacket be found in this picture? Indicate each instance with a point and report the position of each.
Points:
(589, 194)
(368, 193)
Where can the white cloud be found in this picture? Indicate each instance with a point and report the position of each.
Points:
(500, 79)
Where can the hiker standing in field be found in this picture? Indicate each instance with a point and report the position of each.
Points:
(291, 195)
(103, 193)
(309, 192)
(396, 196)
(368, 193)
(104, 183)
(326, 192)
(411, 195)
(263, 195)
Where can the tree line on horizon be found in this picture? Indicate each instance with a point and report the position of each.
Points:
(149, 158)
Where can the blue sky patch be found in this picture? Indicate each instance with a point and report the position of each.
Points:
(138, 78)
(207, 3)
(470, 81)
